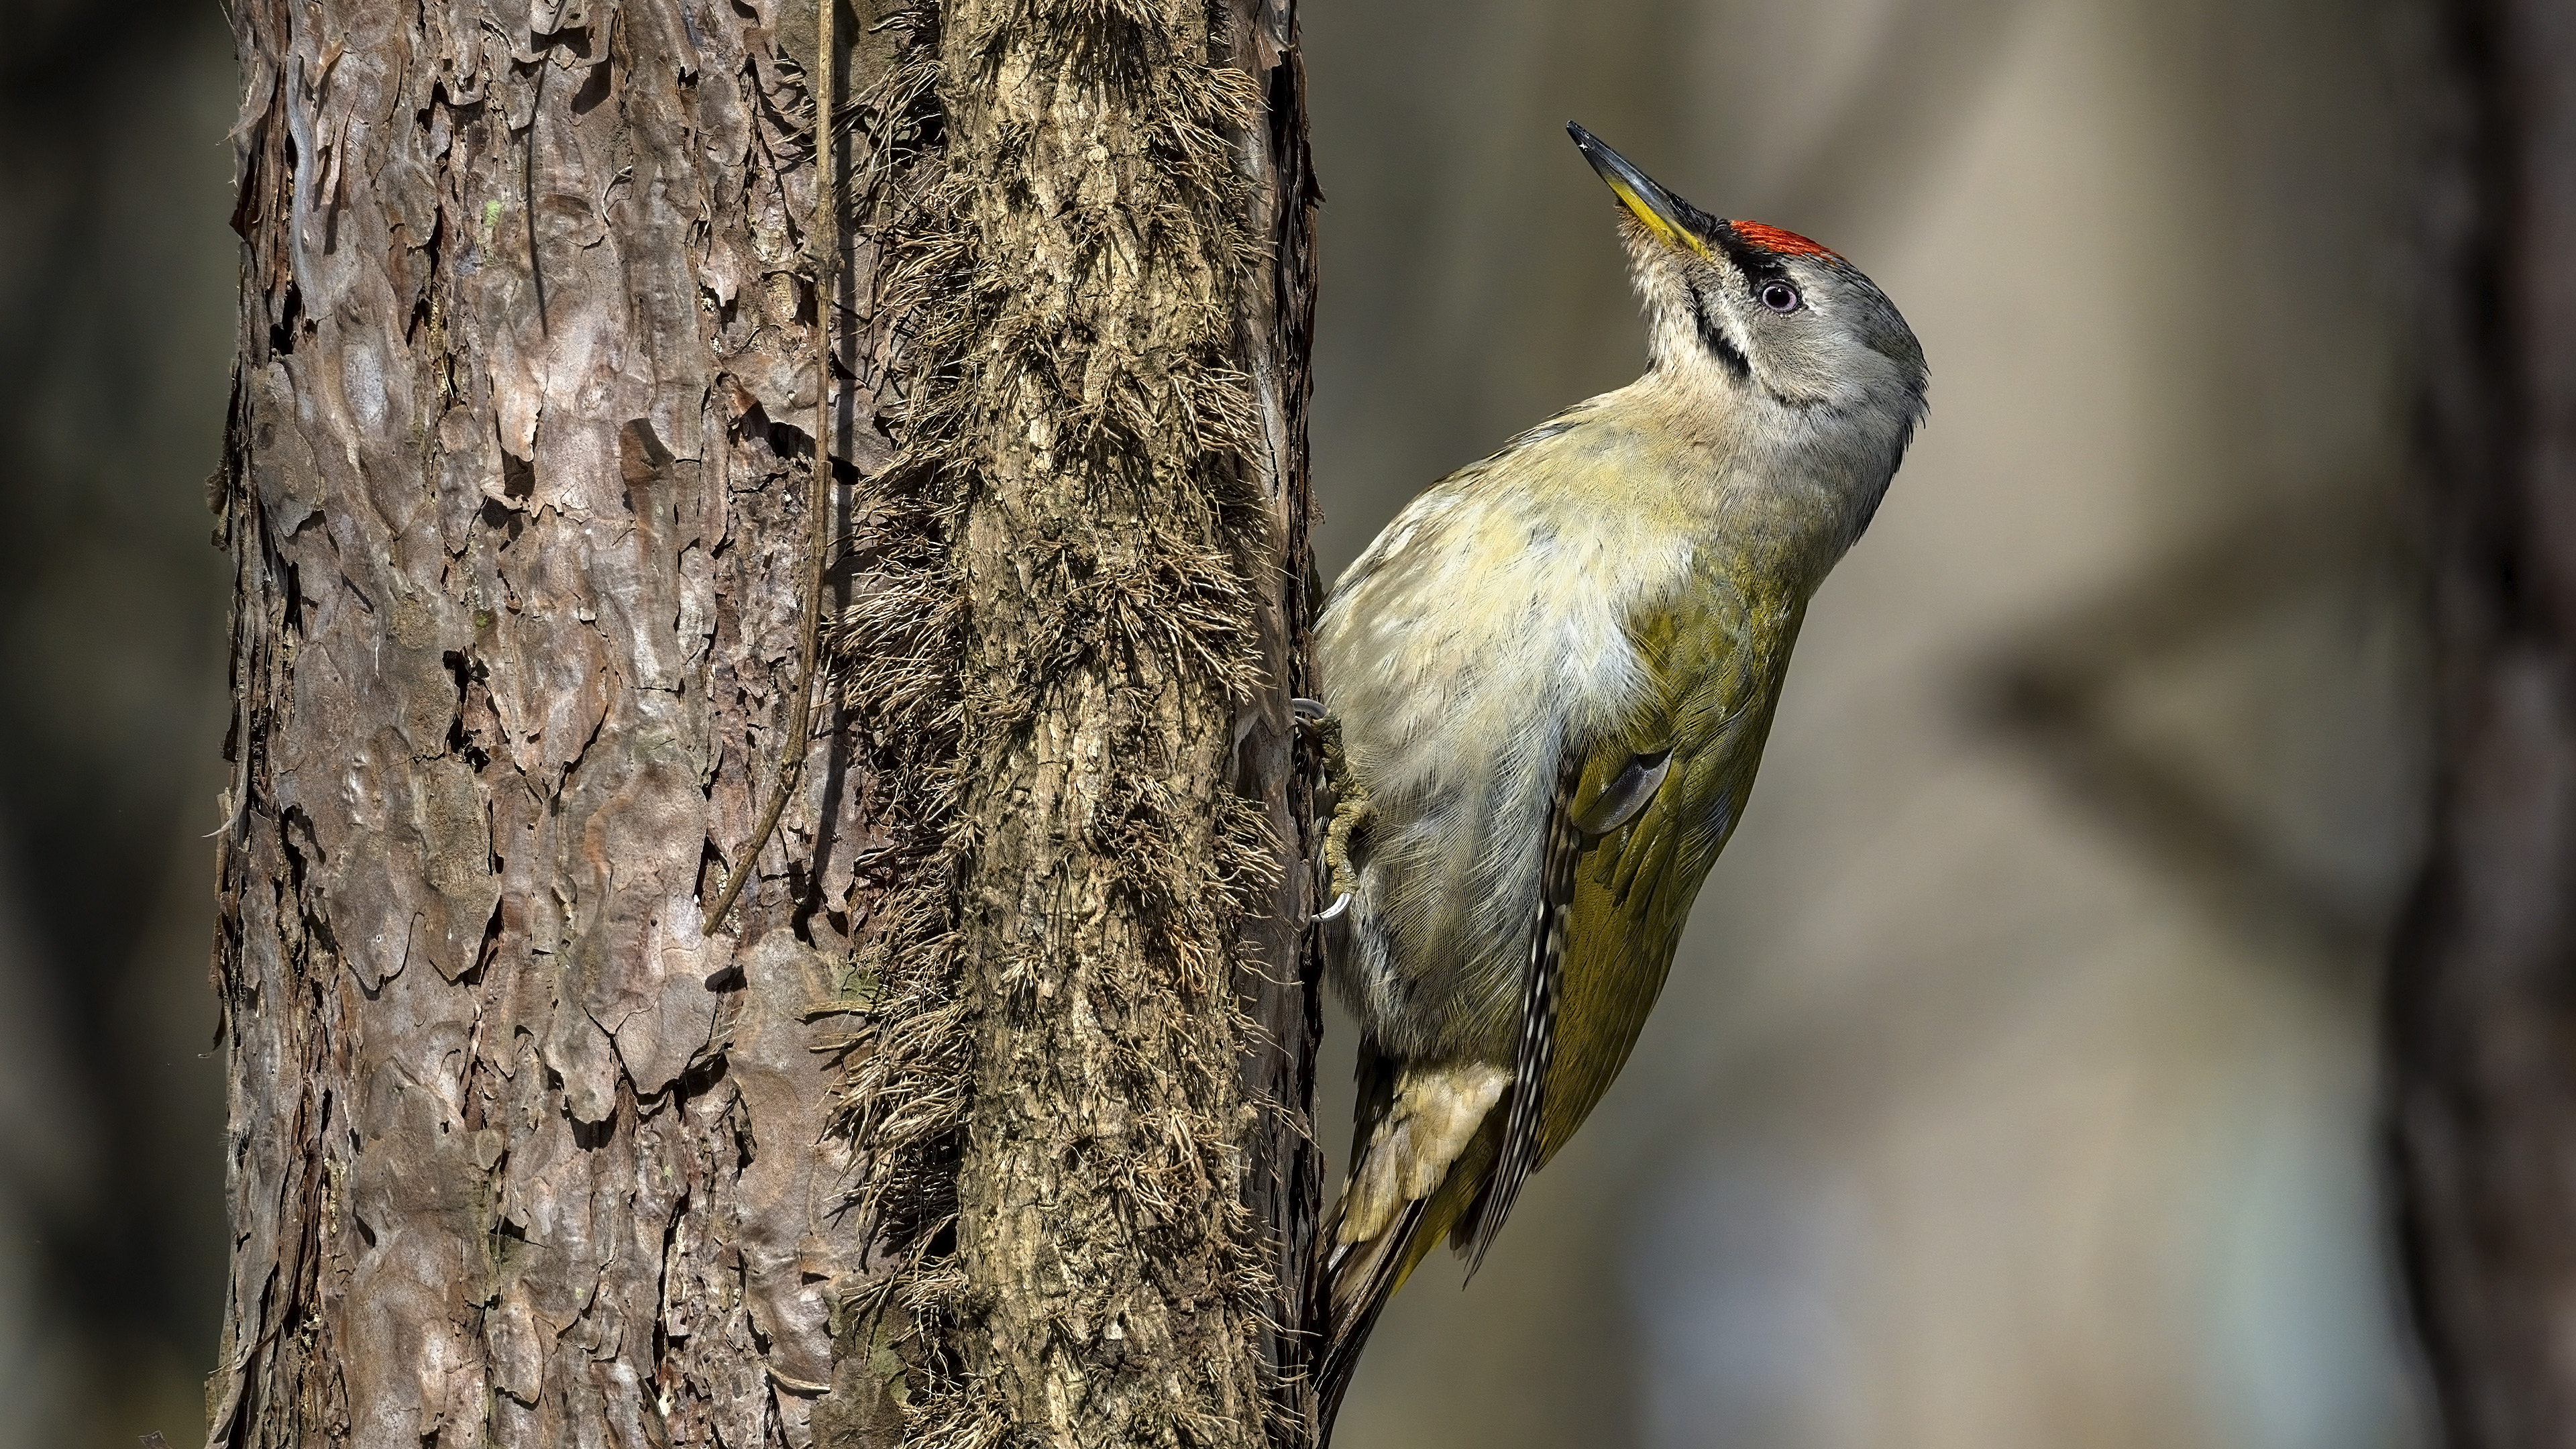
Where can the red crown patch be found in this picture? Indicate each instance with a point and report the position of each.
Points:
(1773, 239)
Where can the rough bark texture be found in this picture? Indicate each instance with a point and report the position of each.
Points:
(1081, 1092)
(1102, 1220)
(2482, 999)
(516, 487)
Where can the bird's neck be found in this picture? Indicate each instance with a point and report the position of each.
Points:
(1754, 480)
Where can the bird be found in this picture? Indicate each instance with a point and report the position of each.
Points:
(1545, 689)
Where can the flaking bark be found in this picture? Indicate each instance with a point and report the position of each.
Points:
(994, 1077)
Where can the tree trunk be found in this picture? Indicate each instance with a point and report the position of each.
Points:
(2482, 996)
(980, 1115)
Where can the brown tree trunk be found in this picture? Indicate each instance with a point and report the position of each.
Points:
(2482, 995)
(980, 1114)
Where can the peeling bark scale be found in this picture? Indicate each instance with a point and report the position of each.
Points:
(980, 1121)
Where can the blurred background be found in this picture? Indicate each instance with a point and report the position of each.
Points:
(2015, 1087)
(117, 287)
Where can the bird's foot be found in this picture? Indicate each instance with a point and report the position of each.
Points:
(1352, 811)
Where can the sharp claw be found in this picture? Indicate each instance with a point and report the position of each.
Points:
(1340, 904)
(1309, 710)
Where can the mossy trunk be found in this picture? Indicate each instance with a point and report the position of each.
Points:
(981, 1114)
(1111, 849)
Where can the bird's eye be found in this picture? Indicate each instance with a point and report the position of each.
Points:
(1779, 296)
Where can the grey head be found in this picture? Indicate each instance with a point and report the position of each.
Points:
(1763, 317)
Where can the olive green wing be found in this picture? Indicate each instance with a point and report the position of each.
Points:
(1656, 804)
(1597, 791)
(1636, 819)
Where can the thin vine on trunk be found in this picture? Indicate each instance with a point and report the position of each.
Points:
(2481, 1019)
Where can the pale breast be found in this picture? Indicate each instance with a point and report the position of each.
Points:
(1486, 621)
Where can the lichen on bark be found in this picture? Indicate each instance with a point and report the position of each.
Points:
(1057, 1091)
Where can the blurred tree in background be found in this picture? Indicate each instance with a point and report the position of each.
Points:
(2482, 999)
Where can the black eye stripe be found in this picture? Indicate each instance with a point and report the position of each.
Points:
(1712, 335)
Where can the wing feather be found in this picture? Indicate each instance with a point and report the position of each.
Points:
(1526, 1098)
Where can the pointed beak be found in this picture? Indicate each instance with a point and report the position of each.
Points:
(1658, 210)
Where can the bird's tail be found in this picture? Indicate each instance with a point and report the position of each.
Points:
(1354, 1280)
(1352, 1283)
